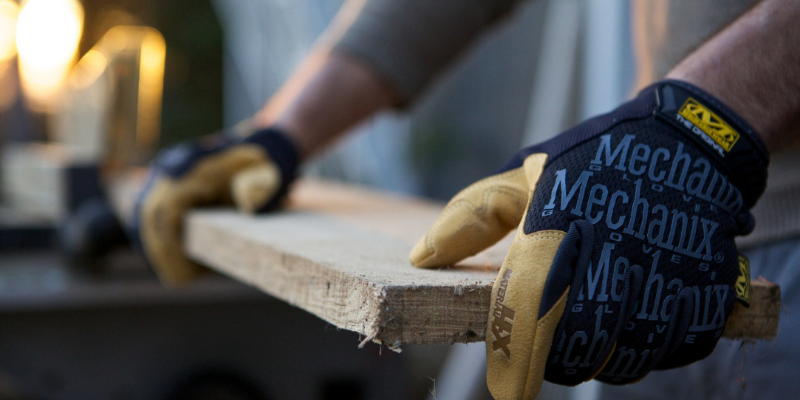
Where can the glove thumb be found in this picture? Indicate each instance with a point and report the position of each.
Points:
(254, 187)
(478, 216)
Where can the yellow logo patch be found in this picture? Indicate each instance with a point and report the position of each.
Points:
(711, 124)
(743, 280)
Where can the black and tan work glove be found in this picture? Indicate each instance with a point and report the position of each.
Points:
(254, 173)
(624, 258)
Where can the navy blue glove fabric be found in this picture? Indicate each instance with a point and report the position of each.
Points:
(651, 196)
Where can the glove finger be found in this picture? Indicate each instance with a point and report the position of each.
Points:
(680, 319)
(617, 372)
(585, 342)
(167, 199)
(479, 216)
(255, 187)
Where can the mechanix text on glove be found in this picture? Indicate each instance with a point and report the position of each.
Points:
(624, 259)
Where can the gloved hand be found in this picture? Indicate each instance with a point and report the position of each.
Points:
(254, 173)
(625, 259)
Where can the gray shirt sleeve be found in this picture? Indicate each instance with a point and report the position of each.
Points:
(409, 41)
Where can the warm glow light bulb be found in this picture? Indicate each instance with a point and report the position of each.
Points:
(8, 26)
(48, 32)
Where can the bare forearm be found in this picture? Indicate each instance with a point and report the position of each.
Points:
(754, 67)
(327, 95)
(384, 53)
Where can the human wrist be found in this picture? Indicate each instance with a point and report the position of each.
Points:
(751, 66)
(277, 141)
(732, 94)
(281, 148)
(720, 131)
(261, 121)
(263, 187)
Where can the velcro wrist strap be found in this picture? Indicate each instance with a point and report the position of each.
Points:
(719, 131)
(280, 148)
(283, 153)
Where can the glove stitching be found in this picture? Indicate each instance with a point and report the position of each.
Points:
(543, 235)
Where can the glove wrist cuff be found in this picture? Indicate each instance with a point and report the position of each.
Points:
(283, 153)
(282, 150)
(717, 129)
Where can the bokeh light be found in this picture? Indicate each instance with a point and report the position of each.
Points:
(48, 32)
(151, 84)
(8, 26)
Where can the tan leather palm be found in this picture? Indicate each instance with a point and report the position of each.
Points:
(476, 218)
(517, 341)
(244, 174)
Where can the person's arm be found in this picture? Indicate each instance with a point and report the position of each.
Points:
(377, 54)
(327, 95)
(754, 67)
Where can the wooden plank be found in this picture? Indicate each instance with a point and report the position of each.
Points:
(341, 253)
(760, 321)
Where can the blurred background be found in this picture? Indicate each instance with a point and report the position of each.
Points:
(89, 88)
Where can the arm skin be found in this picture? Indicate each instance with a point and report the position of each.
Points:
(375, 55)
(328, 94)
(753, 66)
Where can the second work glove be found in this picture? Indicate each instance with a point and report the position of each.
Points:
(254, 173)
(624, 258)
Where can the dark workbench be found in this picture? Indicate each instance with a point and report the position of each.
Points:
(109, 330)
(43, 280)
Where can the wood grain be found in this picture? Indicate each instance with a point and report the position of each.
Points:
(760, 320)
(341, 253)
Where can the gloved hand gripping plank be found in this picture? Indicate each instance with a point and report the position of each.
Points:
(679, 286)
(624, 258)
